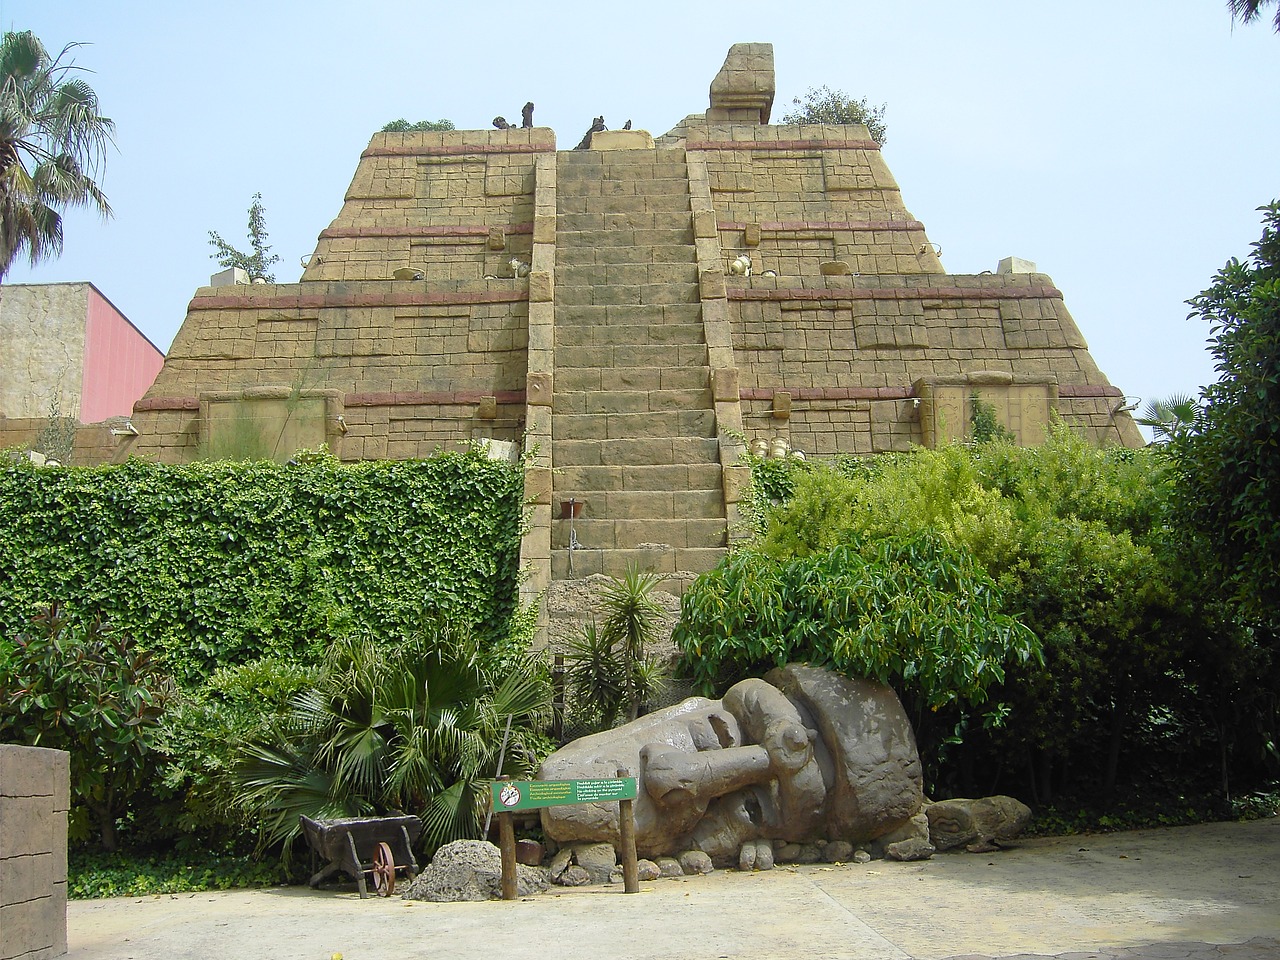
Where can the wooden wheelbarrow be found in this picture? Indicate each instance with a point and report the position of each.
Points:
(375, 845)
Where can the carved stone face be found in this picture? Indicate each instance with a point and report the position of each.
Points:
(804, 755)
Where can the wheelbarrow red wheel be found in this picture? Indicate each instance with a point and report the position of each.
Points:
(384, 870)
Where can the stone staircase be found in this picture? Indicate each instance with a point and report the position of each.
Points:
(633, 424)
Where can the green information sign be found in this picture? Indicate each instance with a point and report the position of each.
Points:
(532, 794)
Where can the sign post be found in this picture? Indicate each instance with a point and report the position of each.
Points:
(510, 795)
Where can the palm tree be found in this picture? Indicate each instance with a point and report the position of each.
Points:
(416, 726)
(1246, 11)
(1172, 417)
(53, 143)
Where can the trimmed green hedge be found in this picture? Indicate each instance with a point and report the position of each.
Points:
(212, 564)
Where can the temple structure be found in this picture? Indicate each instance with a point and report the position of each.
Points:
(593, 307)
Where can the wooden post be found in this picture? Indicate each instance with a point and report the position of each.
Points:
(507, 844)
(627, 827)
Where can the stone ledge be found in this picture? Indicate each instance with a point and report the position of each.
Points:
(431, 398)
(794, 226)
(317, 301)
(782, 145)
(897, 293)
(457, 230)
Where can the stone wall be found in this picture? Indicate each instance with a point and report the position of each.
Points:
(42, 347)
(34, 798)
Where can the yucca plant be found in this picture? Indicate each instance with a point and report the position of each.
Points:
(414, 727)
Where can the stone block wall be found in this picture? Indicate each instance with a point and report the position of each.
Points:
(34, 799)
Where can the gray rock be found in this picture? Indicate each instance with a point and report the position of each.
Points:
(647, 870)
(764, 854)
(837, 851)
(574, 876)
(560, 862)
(878, 783)
(917, 828)
(861, 856)
(669, 867)
(809, 853)
(471, 870)
(913, 849)
(747, 857)
(598, 859)
(695, 861)
(786, 852)
(962, 823)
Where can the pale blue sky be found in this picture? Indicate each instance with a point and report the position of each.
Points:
(1121, 146)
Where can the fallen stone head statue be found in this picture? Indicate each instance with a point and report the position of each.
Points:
(801, 756)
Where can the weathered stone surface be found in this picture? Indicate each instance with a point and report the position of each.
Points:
(669, 867)
(786, 852)
(560, 862)
(695, 862)
(861, 856)
(837, 851)
(574, 876)
(764, 855)
(877, 782)
(959, 822)
(598, 859)
(529, 852)
(471, 870)
(913, 849)
(648, 870)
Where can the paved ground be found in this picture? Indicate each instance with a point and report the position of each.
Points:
(1189, 893)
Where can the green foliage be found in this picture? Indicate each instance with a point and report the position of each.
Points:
(1247, 11)
(53, 143)
(824, 105)
(1137, 662)
(404, 126)
(414, 726)
(214, 564)
(199, 736)
(95, 875)
(256, 264)
(611, 668)
(1170, 417)
(80, 687)
(912, 612)
(984, 426)
(1229, 464)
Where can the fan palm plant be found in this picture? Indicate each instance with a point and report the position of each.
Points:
(53, 143)
(1171, 417)
(415, 727)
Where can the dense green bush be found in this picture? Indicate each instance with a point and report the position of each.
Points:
(1145, 681)
(213, 564)
(415, 726)
(91, 692)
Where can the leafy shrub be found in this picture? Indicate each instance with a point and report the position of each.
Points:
(415, 726)
(213, 564)
(95, 875)
(90, 691)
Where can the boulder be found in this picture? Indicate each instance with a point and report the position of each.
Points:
(837, 851)
(647, 870)
(962, 823)
(913, 849)
(574, 876)
(529, 852)
(598, 859)
(471, 870)
(695, 861)
(669, 867)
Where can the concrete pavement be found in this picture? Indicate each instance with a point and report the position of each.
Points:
(1187, 893)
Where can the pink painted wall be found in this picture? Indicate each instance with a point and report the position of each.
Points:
(119, 362)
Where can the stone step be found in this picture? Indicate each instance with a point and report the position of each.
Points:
(623, 354)
(571, 481)
(651, 424)
(613, 221)
(624, 236)
(638, 451)
(631, 401)
(612, 534)
(626, 273)
(596, 380)
(660, 559)
(603, 505)
(625, 293)
(630, 187)
(572, 256)
(648, 203)
(647, 334)
(607, 315)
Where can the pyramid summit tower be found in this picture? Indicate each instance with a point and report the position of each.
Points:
(595, 307)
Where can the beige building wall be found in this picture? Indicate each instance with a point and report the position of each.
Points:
(34, 800)
(42, 344)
